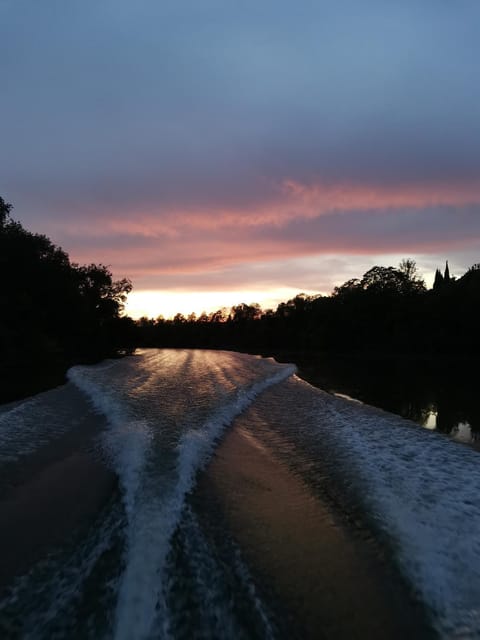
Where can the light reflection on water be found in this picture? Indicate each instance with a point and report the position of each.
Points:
(463, 432)
(431, 421)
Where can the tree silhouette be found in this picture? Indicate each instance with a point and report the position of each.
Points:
(386, 311)
(438, 281)
(5, 209)
(409, 268)
(52, 312)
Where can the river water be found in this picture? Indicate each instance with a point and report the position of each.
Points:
(440, 394)
(152, 563)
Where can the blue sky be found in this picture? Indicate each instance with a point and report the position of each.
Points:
(243, 148)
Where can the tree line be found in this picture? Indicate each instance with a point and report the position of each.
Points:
(387, 311)
(53, 312)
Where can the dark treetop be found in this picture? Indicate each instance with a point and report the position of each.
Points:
(53, 313)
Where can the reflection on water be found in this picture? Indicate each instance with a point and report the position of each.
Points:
(463, 432)
(431, 421)
(439, 394)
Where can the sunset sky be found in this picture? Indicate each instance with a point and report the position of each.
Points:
(225, 151)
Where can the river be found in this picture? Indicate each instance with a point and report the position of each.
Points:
(209, 494)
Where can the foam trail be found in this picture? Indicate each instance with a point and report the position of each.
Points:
(30, 424)
(43, 603)
(425, 496)
(419, 490)
(216, 575)
(142, 592)
(126, 441)
(165, 412)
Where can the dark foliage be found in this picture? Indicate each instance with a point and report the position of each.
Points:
(53, 313)
(387, 311)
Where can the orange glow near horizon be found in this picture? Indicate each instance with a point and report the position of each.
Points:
(152, 304)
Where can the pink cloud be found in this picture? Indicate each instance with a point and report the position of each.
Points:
(320, 197)
(288, 201)
(199, 249)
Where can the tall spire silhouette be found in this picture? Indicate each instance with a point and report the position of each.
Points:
(446, 275)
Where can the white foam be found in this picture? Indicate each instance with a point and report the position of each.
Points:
(142, 592)
(218, 616)
(127, 440)
(155, 479)
(43, 602)
(30, 424)
(423, 492)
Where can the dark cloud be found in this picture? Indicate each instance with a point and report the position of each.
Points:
(415, 230)
(113, 112)
(191, 102)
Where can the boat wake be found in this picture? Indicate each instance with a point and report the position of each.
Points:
(150, 568)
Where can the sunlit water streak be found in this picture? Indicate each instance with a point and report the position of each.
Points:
(148, 570)
(162, 430)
